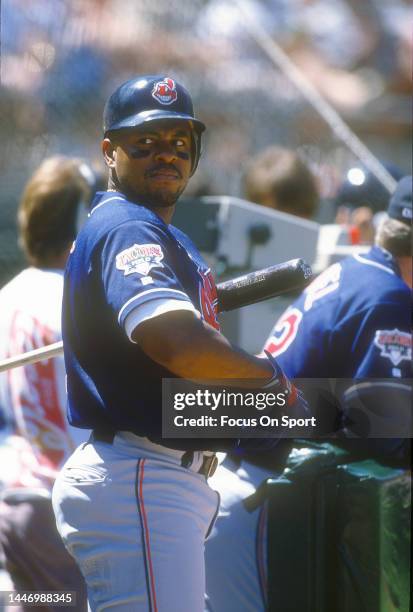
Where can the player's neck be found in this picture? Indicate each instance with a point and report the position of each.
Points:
(164, 212)
(405, 267)
(58, 262)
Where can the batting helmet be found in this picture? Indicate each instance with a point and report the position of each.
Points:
(152, 98)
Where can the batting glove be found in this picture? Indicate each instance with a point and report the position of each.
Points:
(295, 400)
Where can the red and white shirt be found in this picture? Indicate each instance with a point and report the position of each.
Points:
(34, 395)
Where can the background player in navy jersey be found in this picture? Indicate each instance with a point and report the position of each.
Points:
(140, 305)
(353, 321)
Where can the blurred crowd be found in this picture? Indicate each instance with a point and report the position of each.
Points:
(60, 60)
(264, 141)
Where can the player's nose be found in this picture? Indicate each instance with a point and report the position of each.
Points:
(165, 152)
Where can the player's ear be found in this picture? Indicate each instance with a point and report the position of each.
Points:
(109, 152)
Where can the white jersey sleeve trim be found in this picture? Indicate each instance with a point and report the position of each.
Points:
(153, 309)
(105, 202)
(155, 290)
(376, 264)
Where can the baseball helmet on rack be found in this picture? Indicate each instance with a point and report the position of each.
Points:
(150, 98)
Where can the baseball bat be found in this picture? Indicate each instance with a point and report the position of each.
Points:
(40, 354)
(263, 284)
(241, 291)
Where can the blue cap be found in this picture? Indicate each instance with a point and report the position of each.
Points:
(400, 205)
(149, 98)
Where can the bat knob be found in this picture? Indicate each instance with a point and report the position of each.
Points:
(303, 267)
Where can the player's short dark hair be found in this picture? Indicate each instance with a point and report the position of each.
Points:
(48, 209)
(395, 237)
(279, 178)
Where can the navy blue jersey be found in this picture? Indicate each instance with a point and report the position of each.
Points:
(126, 265)
(353, 321)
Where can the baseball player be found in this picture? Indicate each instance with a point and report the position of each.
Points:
(140, 305)
(39, 439)
(353, 321)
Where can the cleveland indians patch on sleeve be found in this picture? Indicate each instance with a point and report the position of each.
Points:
(394, 345)
(140, 259)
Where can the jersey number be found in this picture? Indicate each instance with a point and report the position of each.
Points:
(284, 332)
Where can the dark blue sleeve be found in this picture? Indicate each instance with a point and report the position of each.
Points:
(382, 345)
(138, 262)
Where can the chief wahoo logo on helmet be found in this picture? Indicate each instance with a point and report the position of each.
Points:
(165, 91)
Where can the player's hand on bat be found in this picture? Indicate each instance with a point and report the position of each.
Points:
(295, 401)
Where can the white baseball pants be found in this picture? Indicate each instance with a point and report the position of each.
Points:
(136, 523)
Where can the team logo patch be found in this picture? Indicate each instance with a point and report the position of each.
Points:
(139, 259)
(394, 345)
(165, 91)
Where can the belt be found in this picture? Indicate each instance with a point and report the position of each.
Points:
(209, 462)
(208, 467)
(104, 435)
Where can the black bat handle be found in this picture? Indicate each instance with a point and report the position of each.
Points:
(263, 284)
